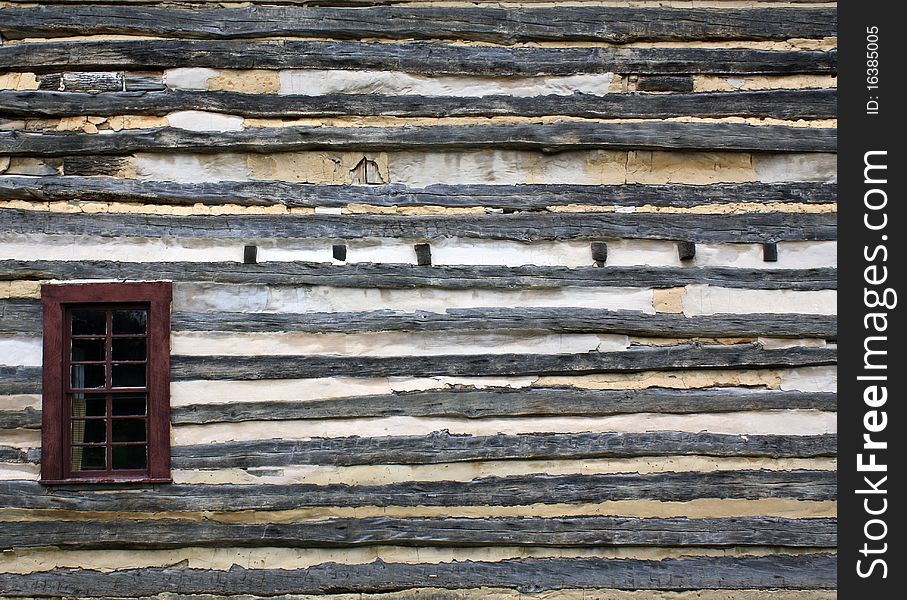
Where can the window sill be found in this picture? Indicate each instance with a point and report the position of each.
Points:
(92, 480)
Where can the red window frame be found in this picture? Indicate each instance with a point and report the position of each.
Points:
(58, 300)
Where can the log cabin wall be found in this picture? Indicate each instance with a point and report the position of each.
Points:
(541, 303)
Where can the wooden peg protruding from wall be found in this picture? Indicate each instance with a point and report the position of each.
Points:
(423, 255)
(686, 250)
(250, 255)
(599, 253)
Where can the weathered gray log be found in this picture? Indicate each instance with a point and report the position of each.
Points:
(418, 57)
(442, 447)
(523, 227)
(24, 316)
(16, 455)
(499, 25)
(19, 315)
(810, 571)
(517, 197)
(410, 276)
(28, 418)
(143, 81)
(665, 83)
(555, 137)
(19, 380)
(489, 491)
(562, 320)
(92, 83)
(94, 165)
(779, 104)
(567, 532)
(476, 404)
(686, 356)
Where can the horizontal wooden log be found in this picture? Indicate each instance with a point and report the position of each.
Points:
(442, 447)
(499, 25)
(523, 227)
(778, 104)
(409, 276)
(17, 455)
(553, 137)
(19, 380)
(28, 418)
(110, 166)
(561, 320)
(188, 368)
(476, 404)
(21, 315)
(304, 195)
(665, 83)
(808, 571)
(418, 57)
(505, 491)
(24, 316)
(564, 532)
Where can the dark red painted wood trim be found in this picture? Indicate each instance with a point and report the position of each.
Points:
(55, 297)
(52, 390)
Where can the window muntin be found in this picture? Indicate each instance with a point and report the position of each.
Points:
(107, 394)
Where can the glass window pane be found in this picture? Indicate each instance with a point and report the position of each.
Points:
(88, 376)
(89, 322)
(88, 349)
(89, 405)
(128, 376)
(129, 457)
(128, 430)
(93, 431)
(129, 321)
(128, 405)
(89, 459)
(128, 349)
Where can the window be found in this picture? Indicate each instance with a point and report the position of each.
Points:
(106, 390)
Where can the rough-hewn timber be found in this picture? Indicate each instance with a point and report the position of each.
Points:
(442, 447)
(778, 104)
(523, 227)
(526, 575)
(20, 315)
(547, 138)
(305, 195)
(19, 380)
(504, 491)
(500, 25)
(28, 418)
(184, 368)
(417, 57)
(24, 316)
(562, 532)
(411, 276)
(16, 455)
(564, 320)
(475, 404)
